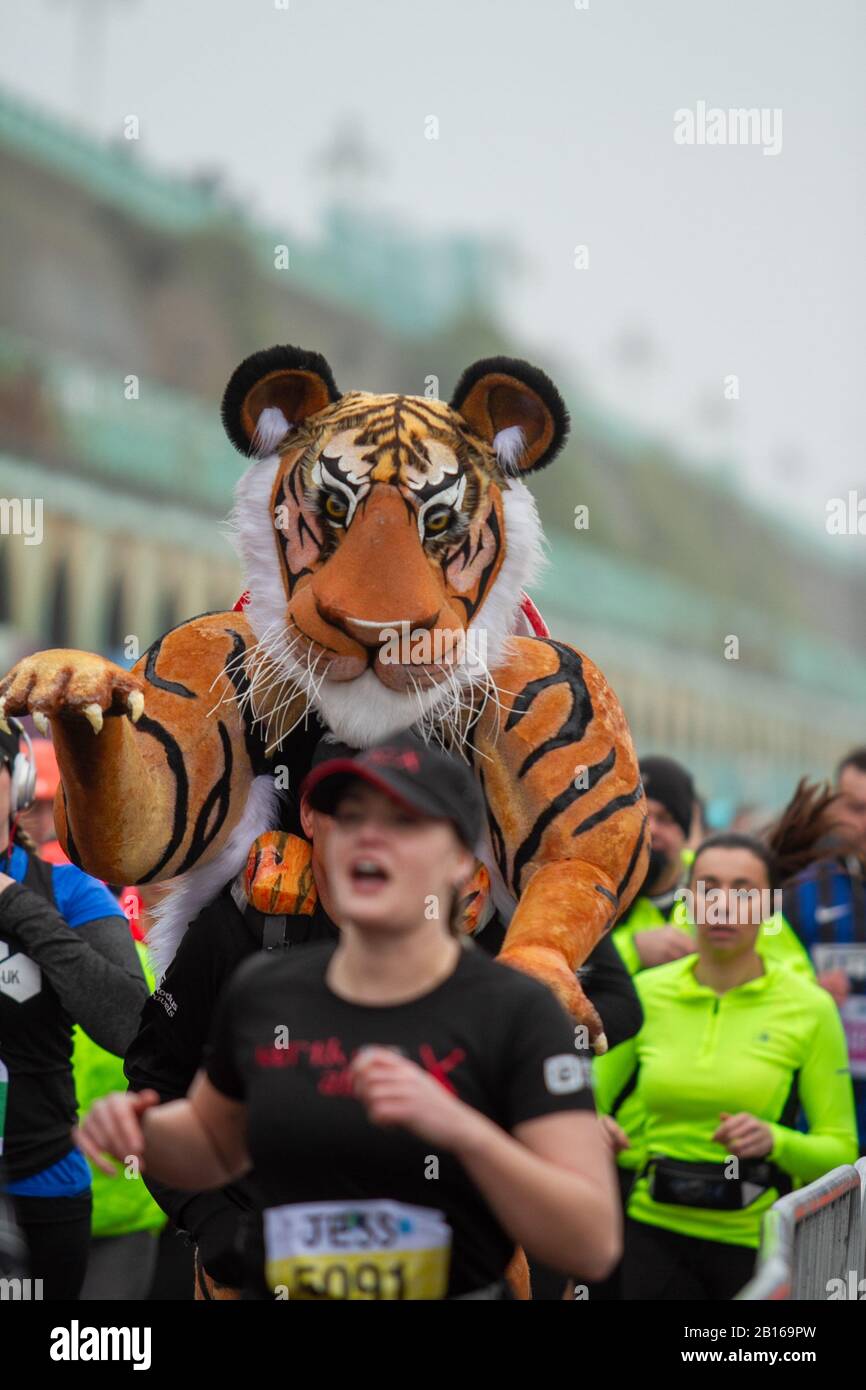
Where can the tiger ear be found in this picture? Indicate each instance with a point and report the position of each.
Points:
(271, 393)
(516, 408)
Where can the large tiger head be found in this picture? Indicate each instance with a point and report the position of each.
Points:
(386, 540)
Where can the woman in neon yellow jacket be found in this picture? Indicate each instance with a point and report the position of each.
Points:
(795, 840)
(732, 1045)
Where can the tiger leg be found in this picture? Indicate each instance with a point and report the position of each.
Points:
(566, 811)
(562, 913)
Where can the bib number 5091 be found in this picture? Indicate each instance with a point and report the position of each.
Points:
(366, 1280)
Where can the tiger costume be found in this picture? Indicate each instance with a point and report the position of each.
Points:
(387, 541)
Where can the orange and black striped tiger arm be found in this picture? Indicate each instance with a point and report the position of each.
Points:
(566, 810)
(153, 776)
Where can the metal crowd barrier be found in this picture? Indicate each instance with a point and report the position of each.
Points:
(813, 1242)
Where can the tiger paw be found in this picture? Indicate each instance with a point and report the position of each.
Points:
(63, 684)
(552, 969)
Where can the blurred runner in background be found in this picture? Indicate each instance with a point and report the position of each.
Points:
(646, 936)
(125, 1220)
(38, 820)
(66, 956)
(826, 906)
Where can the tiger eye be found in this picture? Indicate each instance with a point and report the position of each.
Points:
(335, 507)
(437, 522)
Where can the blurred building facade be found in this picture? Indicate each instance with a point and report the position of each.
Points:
(126, 299)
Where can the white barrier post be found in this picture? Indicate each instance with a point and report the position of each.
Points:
(812, 1243)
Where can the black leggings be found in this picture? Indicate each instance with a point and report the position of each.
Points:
(660, 1264)
(56, 1231)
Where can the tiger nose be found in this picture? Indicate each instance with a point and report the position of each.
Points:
(372, 632)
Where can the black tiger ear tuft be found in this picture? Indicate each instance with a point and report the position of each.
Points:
(273, 391)
(516, 408)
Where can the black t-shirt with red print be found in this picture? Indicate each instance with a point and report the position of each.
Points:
(282, 1042)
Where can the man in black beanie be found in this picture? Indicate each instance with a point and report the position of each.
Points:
(646, 936)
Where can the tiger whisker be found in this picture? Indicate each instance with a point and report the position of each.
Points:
(284, 702)
(233, 661)
(287, 732)
(242, 656)
(267, 680)
(288, 693)
(244, 698)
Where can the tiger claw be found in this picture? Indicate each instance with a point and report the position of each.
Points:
(93, 715)
(135, 705)
(41, 721)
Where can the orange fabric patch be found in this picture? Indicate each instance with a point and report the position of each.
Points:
(475, 898)
(279, 875)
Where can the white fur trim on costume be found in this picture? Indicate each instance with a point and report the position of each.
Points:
(190, 892)
(508, 445)
(363, 711)
(500, 615)
(254, 537)
(271, 429)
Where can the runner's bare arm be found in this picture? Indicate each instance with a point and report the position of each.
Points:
(552, 1187)
(205, 1146)
(195, 1143)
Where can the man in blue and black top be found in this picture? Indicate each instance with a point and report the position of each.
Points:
(826, 906)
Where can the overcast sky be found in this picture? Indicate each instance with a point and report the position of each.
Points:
(556, 129)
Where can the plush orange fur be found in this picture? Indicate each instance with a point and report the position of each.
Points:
(380, 510)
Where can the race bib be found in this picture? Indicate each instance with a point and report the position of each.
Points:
(366, 1250)
(850, 957)
(853, 1012)
(847, 956)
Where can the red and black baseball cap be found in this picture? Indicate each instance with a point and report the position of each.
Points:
(424, 780)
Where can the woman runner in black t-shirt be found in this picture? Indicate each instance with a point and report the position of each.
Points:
(412, 1108)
